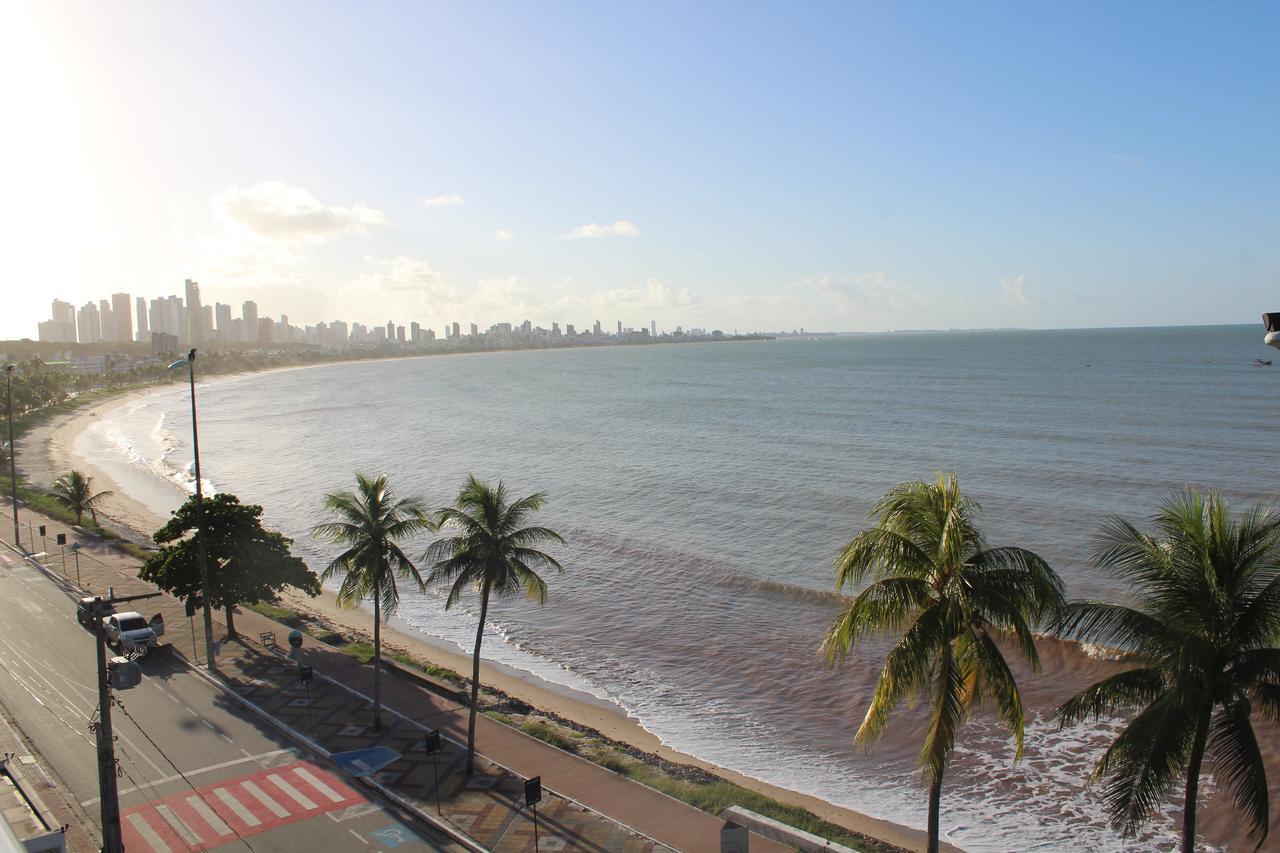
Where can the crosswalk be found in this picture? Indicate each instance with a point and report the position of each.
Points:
(222, 811)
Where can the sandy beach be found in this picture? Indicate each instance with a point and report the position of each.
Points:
(49, 450)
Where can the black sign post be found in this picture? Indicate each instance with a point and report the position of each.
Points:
(43, 547)
(532, 796)
(62, 540)
(432, 744)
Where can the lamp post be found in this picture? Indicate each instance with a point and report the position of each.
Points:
(13, 467)
(190, 363)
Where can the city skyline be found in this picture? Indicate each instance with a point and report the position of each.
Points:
(852, 167)
(128, 319)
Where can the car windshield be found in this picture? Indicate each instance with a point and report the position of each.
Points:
(134, 623)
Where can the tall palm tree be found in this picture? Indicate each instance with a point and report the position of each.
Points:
(370, 521)
(493, 554)
(1204, 625)
(75, 491)
(933, 577)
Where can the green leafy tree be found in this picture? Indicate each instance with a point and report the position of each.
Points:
(494, 555)
(75, 491)
(1204, 625)
(932, 577)
(247, 563)
(370, 523)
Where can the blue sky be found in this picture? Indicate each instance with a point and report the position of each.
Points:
(752, 166)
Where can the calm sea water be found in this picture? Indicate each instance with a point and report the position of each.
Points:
(704, 490)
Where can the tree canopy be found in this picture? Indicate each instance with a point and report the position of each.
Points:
(247, 563)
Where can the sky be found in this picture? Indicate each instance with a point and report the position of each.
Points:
(835, 166)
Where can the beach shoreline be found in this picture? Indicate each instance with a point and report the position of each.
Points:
(48, 450)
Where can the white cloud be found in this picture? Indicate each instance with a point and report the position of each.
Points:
(591, 231)
(446, 200)
(273, 210)
(654, 294)
(868, 292)
(1015, 290)
(503, 234)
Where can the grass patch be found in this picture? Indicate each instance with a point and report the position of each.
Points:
(505, 719)
(362, 652)
(549, 733)
(274, 611)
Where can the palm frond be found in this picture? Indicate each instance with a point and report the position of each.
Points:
(1133, 688)
(1237, 762)
(885, 605)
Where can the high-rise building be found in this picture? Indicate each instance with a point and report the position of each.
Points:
(195, 315)
(206, 323)
(222, 317)
(108, 322)
(140, 308)
(62, 324)
(122, 316)
(457, 331)
(176, 318)
(89, 324)
(158, 315)
(653, 328)
(391, 331)
(570, 330)
(400, 334)
(595, 330)
(266, 330)
(619, 328)
(415, 332)
(250, 314)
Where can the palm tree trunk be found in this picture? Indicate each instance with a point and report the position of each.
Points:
(935, 808)
(377, 655)
(1193, 783)
(231, 620)
(475, 683)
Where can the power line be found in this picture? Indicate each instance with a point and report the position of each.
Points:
(166, 757)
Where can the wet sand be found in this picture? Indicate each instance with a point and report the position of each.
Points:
(49, 450)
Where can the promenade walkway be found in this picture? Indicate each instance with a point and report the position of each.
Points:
(334, 714)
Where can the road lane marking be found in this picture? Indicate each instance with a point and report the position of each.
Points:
(262, 797)
(189, 773)
(297, 796)
(184, 831)
(316, 782)
(235, 805)
(148, 834)
(358, 837)
(208, 815)
(211, 726)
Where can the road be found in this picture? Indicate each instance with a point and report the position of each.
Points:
(197, 771)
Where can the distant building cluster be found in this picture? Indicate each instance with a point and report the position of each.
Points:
(172, 323)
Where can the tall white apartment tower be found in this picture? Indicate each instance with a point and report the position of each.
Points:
(144, 332)
(195, 316)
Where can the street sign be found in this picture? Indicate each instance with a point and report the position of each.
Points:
(62, 539)
(42, 530)
(365, 762)
(306, 674)
(295, 638)
(75, 546)
(533, 791)
(433, 742)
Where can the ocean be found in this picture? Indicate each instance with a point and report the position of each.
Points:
(704, 490)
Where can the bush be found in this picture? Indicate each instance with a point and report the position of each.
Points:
(551, 734)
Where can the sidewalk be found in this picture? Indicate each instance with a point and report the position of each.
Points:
(337, 717)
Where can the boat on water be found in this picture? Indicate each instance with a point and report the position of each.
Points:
(1262, 362)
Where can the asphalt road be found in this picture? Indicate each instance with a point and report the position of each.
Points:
(197, 772)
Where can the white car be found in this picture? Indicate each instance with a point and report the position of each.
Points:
(130, 631)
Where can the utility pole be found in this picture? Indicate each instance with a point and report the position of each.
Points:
(13, 467)
(108, 791)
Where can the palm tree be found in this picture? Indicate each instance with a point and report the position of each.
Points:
(493, 553)
(370, 521)
(1204, 632)
(75, 491)
(933, 577)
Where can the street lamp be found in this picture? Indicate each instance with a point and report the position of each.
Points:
(190, 363)
(13, 466)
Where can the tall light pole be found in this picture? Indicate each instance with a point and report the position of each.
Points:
(202, 556)
(13, 465)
